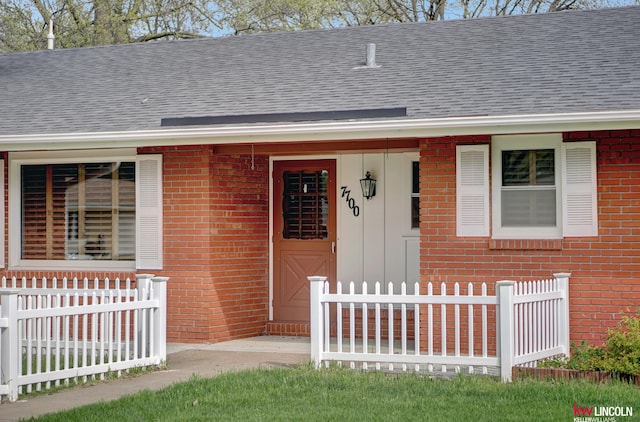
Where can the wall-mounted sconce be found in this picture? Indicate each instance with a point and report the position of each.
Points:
(368, 186)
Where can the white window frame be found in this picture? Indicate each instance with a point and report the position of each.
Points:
(524, 142)
(16, 160)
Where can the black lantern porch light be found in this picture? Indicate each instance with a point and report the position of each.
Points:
(368, 186)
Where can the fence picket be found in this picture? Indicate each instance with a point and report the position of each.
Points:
(470, 338)
(456, 323)
(430, 322)
(485, 323)
(378, 319)
(327, 320)
(339, 318)
(443, 324)
(67, 340)
(352, 320)
(416, 323)
(76, 341)
(365, 320)
(390, 328)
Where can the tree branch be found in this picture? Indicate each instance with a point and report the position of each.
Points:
(166, 34)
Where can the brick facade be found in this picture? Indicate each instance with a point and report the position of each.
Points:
(216, 240)
(605, 279)
(216, 225)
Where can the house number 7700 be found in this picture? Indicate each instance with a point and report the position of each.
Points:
(350, 201)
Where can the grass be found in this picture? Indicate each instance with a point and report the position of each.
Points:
(285, 394)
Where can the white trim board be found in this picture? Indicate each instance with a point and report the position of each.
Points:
(329, 131)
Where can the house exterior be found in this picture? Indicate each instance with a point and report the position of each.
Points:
(503, 149)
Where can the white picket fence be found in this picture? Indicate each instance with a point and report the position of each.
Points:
(519, 325)
(61, 331)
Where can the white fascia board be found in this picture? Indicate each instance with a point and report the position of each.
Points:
(328, 131)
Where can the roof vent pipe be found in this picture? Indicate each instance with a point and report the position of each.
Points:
(50, 36)
(371, 55)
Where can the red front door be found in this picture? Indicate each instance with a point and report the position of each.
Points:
(304, 235)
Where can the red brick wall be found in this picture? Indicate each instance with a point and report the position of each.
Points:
(216, 244)
(240, 246)
(605, 279)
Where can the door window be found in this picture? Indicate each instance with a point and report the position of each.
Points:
(305, 205)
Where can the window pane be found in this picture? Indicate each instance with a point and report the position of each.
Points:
(33, 212)
(528, 167)
(415, 195)
(545, 167)
(78, 211)
(415, 212)
(515, 168)
(532, 208)
(415, 177)
(305, 207)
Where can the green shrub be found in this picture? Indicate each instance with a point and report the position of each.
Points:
(559, 361)
(622, 349)
(585, 357)
(620, 354)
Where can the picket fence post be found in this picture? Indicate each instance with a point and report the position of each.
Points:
(563, 312)
(143, 282)
(504, 291)
(9, 344)
(160, 317)
(316, 317)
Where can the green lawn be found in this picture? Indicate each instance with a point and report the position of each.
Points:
(304, 394)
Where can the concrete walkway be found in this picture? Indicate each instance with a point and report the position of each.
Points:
(184, 360)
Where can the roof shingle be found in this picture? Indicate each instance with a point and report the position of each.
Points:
(533, 64)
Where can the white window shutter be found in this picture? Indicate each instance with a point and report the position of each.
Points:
(149, 212)
(2, 214)
(579, 189)
(472, 190)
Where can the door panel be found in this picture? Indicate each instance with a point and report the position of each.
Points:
(304, 233)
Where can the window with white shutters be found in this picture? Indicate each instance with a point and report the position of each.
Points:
(79, 211)
(526, 186)
(541, 188)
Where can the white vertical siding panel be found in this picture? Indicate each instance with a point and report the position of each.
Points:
(350, 232)
(372, 214)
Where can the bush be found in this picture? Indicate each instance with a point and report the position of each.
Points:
(622, 349)
(620, 354)
(585, 357)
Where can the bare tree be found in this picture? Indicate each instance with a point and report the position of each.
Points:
(24, 23)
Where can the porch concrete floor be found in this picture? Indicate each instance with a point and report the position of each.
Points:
(262, 344)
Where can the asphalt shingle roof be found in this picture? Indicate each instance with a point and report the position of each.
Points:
(549, 63)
